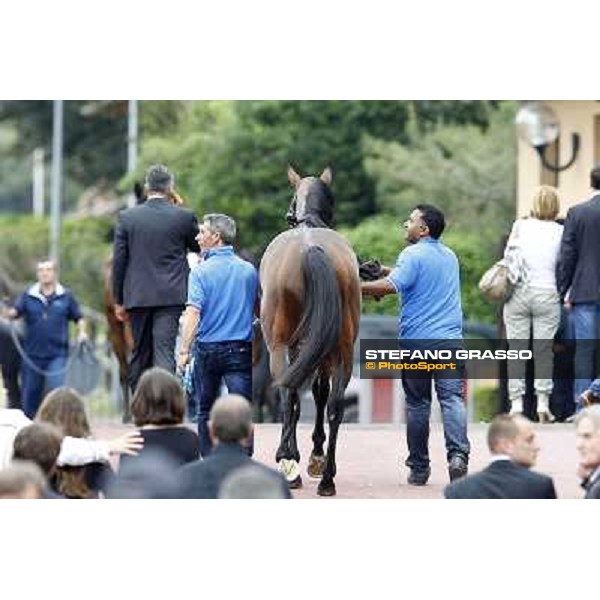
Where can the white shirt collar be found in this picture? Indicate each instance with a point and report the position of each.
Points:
(497, 457)
(595, 475)
(36, 292)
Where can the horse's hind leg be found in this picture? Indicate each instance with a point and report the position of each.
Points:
(320, 390)
(288, 455)
(335, 414)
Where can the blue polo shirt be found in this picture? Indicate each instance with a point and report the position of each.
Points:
(427, 277)
(47, 320)
(224, 288)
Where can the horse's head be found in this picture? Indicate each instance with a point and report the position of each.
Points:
(313, 202)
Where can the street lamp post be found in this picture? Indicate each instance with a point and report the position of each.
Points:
(132, 142)
(56, 194)
(538, 126)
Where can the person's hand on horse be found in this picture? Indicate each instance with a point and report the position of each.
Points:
(129, 443)
(121, 313)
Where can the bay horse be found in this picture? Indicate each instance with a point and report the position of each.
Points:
(310, 312)
(10, 359)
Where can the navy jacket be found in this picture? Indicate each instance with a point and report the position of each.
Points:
(578, 266)
(502, 479)
(203, 478)
(47, 320)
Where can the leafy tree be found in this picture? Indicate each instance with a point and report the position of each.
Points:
(95, 145)
(467, 171)
(231, 156)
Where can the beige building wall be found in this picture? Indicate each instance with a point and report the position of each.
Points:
(575, 116)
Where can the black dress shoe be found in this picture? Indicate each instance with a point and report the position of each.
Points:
(457, 467)
(418, 477)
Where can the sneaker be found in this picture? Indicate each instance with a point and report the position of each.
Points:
(418, 477)
(457, 467)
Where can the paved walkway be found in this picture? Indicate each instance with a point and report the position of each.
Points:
(370, 459)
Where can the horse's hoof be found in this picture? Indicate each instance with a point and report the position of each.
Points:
(326, 490)
(290, 469)
(296, 484)
(316, 465)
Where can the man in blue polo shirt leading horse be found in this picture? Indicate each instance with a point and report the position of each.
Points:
(47, 308)
(222, 293)
(426, 275)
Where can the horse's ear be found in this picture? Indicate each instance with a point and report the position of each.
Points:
(326, 176)
(293, 177)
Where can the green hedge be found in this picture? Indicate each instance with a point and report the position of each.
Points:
(85, 246)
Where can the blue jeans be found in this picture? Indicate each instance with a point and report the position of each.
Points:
(454, 416)
(585, 323)
(33, 383)
(215, 362)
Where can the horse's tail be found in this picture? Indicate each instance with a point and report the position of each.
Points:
(319, 329)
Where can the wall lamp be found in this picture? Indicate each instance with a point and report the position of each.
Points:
(538, 126)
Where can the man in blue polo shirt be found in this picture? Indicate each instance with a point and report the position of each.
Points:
(426, 276)
(222, 293)
(47, 308)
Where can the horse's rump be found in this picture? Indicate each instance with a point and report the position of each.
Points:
(310, 299)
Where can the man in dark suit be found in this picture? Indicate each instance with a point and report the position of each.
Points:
(588, 446)
(150, 272)
(230, 428)
(578, 281)
(514, 448)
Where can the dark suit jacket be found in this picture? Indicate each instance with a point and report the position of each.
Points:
(502, 479)
(578, 264)
(592, 491)
(150, 265)
(203, 478)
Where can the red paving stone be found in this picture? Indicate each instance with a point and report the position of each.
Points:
(370, 458)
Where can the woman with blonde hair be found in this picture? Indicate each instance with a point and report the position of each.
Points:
(534, 304)
(64, 408)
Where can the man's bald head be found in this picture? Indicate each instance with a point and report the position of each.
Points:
(514, 436)
(231, 418)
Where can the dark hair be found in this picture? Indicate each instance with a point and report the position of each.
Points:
(502, 427)
(39, 443)
(433, 218)
(159, 179)
(158, 399)
(64, 408)
(595, 178)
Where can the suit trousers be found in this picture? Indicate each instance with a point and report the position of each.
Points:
(154, 332)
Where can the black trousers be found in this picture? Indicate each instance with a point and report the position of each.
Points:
(154, 332)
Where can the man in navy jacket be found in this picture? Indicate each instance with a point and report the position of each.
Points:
(47, 307)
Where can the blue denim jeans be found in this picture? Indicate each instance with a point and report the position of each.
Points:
(215, 362)
(454, 416)
(585, 323)
(34, 384)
